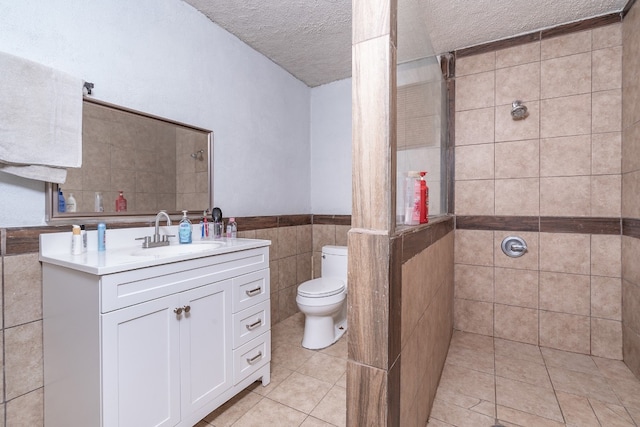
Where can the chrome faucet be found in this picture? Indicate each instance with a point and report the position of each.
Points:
(156, 236)
(156, 240)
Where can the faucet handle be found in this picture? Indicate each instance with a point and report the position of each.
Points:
(165, 237)
(145, 243)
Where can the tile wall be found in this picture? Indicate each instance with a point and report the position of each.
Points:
(562, 161)
(426, 327)
(21, 358)
(631, 189)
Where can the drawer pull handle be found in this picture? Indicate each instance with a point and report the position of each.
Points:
(178, 311)
(187, 308)
(255, 358)
(254, 292)
(254, 325)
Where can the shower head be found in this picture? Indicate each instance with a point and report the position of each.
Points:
(198, 155)
(518, 111)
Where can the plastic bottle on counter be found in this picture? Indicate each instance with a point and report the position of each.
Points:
(232, 229)
(102, 237)
(184, 229)
(76, 240)
(83, 232)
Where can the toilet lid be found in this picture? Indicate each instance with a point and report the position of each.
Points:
(322, 287)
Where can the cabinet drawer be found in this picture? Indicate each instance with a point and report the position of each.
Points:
(250, 323)
(251, 357)
(250, 289)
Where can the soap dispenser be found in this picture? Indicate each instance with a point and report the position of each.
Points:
(184, 229)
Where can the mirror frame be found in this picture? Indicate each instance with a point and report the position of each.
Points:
(52, 217)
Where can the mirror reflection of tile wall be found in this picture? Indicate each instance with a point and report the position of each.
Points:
(150, 160)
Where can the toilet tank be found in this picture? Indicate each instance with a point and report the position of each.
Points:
(334, 262)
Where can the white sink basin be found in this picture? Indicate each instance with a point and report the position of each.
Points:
(178, 249)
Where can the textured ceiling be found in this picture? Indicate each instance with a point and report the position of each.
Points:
(312, 38)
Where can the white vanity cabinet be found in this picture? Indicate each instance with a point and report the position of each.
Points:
(162, 345)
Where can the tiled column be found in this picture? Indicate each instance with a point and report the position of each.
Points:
(373, 366)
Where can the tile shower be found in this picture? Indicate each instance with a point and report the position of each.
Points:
(541, 176)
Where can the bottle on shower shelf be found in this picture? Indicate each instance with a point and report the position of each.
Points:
(121, 203)
(62, 205)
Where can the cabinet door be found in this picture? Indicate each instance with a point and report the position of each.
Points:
(205, 344)
(141, 365)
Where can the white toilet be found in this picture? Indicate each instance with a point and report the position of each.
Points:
(324, 300)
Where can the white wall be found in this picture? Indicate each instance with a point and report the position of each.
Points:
(165, 58)
(331, 148)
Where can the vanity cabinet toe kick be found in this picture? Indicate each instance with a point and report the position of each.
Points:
(157, 346)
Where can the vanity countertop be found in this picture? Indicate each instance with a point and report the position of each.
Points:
(125, 253)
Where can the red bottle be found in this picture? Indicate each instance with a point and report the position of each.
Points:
(121, 203)
(424, 199)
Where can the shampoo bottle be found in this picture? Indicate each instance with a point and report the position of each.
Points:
(121, 203)
(184, 229)
(424, 199)
(71, 203)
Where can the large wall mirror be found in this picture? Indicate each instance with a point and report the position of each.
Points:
(158, 164)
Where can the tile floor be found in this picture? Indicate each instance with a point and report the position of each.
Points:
(307, 388)
(526, 385)
(531, 386)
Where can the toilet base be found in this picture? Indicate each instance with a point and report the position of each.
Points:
(321, 332)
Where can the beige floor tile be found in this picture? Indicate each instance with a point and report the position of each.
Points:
(522, 370)
(480, 343)
(300, 392)
(342, 382)
(518, 351)
(527, 398)
(235, 408)
(278, 374)
(611, 415)
(624, 384)
(314, 422)
(509, 416)
(582, 384)
(270, 413)
(457, 416)
(471, 358)
(467, 402)
(468, 382)
(577, 410)
(333, 407)
(290, 356)
(437, 423)
(572, 361)
(324, 367)
(338, 349)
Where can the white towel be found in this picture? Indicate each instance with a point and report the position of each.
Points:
(40, 119)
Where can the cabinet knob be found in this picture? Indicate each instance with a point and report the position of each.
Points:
(178, 311)
(187, 308)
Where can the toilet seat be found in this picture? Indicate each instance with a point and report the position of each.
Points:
(321, 287)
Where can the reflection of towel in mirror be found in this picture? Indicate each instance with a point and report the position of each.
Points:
(40, 120)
